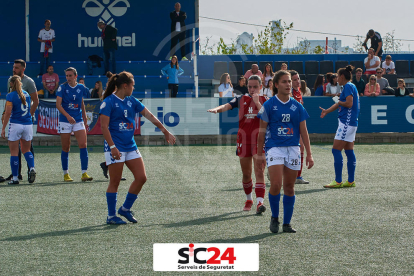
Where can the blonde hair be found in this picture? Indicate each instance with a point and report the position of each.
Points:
(402, 81)
(16, 85)
(303, 87)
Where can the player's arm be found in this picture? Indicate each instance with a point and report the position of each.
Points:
(329, 110)
(365, 44)
(261, 137)
(220, 109)
(7, 114)
(107, 135)
(379, 48)
(35, 102)
(150, 117)
(348, 103)
(306, 143)
(63, 111)
(85, 119)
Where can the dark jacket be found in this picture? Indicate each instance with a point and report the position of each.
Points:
(360, 85)
(398, 94)
(110, 33)
(239, 90)
(178, 18)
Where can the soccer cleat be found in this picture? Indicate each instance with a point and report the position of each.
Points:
(32, 176)
(274, 225)
(123, 178)
(13, 182)
(347, 184)
(300, 180)
(129, 215)
(115, 220)
(10, 177)
(2, 179)
(334, 184)
(248, 205)
(184, 59)
(67, 178)
(86, 177)
(260, 208)
(287, 228)
(104, 169)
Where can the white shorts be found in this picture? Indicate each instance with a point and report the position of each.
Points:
(125, 156)
(345, 133)
(288, 156)
(18, 131)
(68, 128)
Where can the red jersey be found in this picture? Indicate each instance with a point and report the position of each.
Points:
(248, 121)
(297, 95)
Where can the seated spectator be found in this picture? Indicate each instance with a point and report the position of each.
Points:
(254, 71)
(401, 91)
(50, 82)
(388, 65)
(384, 85)
(241, 88)
(268, 90)
(371, 62)
(304, 89)
(284, 67)
(372, 89)
(333, 88)
(359, 82)
(226, 88)
(319, 85)
(86, 95)
(97, 91)
(268, 74)
(328, 80)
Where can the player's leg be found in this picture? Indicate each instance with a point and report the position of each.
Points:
(64, 156)
(14, 161)
(299, 179)
(26, 144)
(82, 143)
(260, 187)
(289, 177)
(275, 175)
(115, 174)
(246, 168)
(337, 148)
(351, 164)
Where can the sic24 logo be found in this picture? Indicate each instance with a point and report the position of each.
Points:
(206, 257)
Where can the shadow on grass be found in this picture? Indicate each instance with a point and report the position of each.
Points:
(247, 239)
(310, 191)
(46, 184)
(96, 228)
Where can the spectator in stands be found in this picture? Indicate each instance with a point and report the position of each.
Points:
(86, 94)
(333, 88)
(241, 88)
(50, 83)
(376, 43)
(304, 89)
(172, 71)
(383, 83)
(359, 82)
(401, 91)
(109, 45)
(268, 74)
(372, 88)
(97, 91)
(388, 65)
(284, 66)
(371, 62)
(327, 80)
(267, 91)
(253, 71)
(178, 30)
(226, 88)
(319, 85)
(46, 37)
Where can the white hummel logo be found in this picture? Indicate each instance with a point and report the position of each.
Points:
(275, 108)
(245, 103)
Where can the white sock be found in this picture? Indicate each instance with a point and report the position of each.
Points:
(83, 171)
(124, 209)
(249, 196)
(32, 168)
(15, 178)
(259, 200)
(65, 171)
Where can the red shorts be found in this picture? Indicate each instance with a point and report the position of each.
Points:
(246, 150)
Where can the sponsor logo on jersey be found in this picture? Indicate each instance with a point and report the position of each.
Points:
(78, 90)
(129, 104)
(293, 107)
(285, 131)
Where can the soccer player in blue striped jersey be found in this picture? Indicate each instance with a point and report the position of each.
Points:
(117, 114)
(72, 118)
(348, 113)
(282, 124)
(19, 111)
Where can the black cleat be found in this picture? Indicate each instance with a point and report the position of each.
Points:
(274, 225)
(32, 176)
(260, 209)
(2, 179)
(13, 182)
(10, 177)
(104, 169)
(287, 228)
(123, 179)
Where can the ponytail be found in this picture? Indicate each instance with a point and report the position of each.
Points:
(16, 85)
(116, 80)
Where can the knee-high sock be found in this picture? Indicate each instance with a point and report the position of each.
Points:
(248, 187)
(288, 205)
(301, 165)
(338, 164)
(351, 164)
(64, 157)
(84, 159)
(274, 204)
(29, 159)
(129, 201)
(20, 161)
(14, 164)
(111, 201)
(260, 190)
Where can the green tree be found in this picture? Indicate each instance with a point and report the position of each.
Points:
(358, 44)
(390, 44)
(318, 50)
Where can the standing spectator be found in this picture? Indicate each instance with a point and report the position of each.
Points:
(372, 89)
(241, 88)
(267, 91)
(268, 74)
(359, 82)
(284, 66)
(46, 37)
(172, 71)
(50, 83)
(97, 91)
(319, 85)
(226, 88)
(384, 85)
(333, 88)
(371, 62)
(327, 80)
(376, 42)
(401, 91)
(253, 71)
(304, 89)
(109, 45)
(388, 65)
(178, 30)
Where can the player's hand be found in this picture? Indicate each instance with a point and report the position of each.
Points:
(323, 113)
(71, 120)
(3, 133)
(212, 111)
(115, 154)
(169, 137)
(309, 161)
(256, 98)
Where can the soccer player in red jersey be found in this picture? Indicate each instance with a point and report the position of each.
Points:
(249, 105)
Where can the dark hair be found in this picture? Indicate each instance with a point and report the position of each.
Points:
(332, 77)
(359, 70)
(47, 20)
(277, 77)
(116, 81)
(81, 79)
(346, 72)
(271, 70)
(293, 73)
(176, 62)
(255, 77)
(303, 87)
(318, 81)
(109, 74)
(21, 62)
(49, 66)
(71, 69)
(241, 78)
(328, 77)
(388, 57)
(371, 32)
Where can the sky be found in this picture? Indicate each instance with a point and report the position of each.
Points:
(340, 17)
